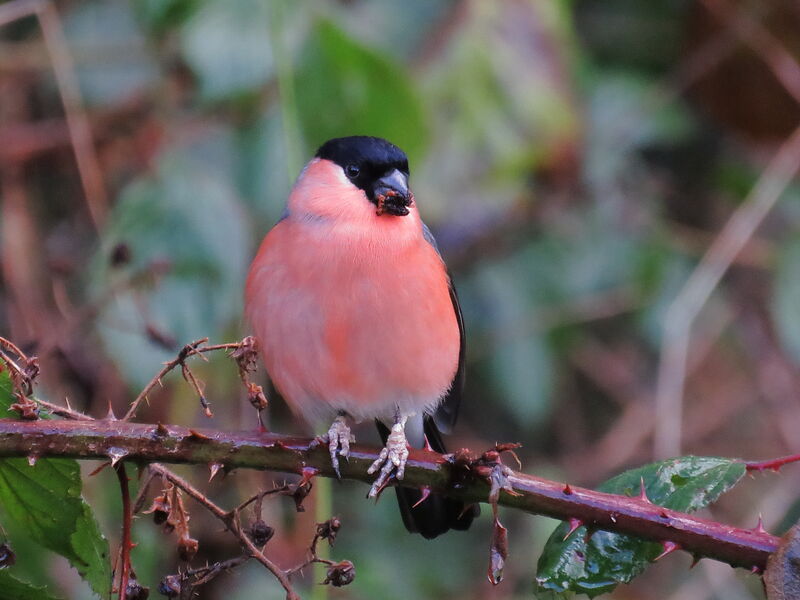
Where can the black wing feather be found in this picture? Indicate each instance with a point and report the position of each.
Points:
(446, 413)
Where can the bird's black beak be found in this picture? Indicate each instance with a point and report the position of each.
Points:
(391, 194)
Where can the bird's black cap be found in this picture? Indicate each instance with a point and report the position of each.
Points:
(365, 151)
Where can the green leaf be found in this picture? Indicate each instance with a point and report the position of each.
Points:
(786, 301)
(46, 500)
(12, 588)
(684, 484)
(345, 88)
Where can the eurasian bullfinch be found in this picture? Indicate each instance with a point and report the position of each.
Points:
(356, 316)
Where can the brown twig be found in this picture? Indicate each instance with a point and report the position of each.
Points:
(149, 443)
(194, 348)
(69, 90)
(766, 46)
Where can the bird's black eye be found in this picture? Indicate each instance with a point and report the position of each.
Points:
(352, 171)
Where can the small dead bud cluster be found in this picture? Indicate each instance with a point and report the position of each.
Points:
(136, 591)
(340, 574)
(171, 586)
(328, 530)
(23, 371)
(489, 466)
(260, 533)
(246, 357)
(256, 396)
(168, 510)
(299, 494)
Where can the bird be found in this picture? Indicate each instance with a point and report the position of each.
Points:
(357, 318)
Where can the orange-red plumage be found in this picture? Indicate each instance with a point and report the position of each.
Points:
(352, 309)
(356, 317)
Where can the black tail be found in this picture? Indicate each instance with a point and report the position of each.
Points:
(437, 514)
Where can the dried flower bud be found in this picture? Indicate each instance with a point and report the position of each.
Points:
(299, 494)
(255, 394)
(260, 533)
(136, 591)
(340, 574)
(187, 548)
(246, 356)
(160, 509)
(491, 456)
(170, 586)
(329, 529)
(7, 556)
(27, 408)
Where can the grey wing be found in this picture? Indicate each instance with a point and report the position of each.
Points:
(446, 413)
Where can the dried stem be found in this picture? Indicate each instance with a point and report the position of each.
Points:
(77, 121)
(230, 521)
(126, 545)
(150, 443)
(194, 348)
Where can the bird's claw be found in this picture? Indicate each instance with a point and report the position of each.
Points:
(392, 458)
(338, 440)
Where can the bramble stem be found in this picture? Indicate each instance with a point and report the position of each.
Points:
(267, 451)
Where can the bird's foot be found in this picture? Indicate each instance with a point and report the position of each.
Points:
(392, 458)
(338, 440)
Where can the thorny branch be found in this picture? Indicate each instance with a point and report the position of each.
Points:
(462, 475)
(452, 475)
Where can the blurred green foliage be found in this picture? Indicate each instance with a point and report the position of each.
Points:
(559, 153)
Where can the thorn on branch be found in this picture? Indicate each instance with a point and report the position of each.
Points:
(425, 492)
(774, 464)
(214, 468)
(574, 525)
(643, 492)
(669, 548)
(498, 552)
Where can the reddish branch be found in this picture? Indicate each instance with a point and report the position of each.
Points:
(173, 444)
(126, 545)
(774, 464)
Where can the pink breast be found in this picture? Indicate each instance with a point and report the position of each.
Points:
(360, 326)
